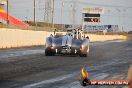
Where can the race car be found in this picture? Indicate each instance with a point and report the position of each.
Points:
(73, 43)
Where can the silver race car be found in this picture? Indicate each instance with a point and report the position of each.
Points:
(73, 43)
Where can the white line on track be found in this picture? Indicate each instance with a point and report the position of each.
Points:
(21, 53)
(76, 84)
(48, 81)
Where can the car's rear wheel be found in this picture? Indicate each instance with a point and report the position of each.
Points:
(49, 53)
(83, 55)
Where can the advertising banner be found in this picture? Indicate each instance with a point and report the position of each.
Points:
(93, 10)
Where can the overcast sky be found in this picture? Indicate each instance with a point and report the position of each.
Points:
(24, 8)
(118, 12)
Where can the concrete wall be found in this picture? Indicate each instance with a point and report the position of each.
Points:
(102, 38)
(18, 38)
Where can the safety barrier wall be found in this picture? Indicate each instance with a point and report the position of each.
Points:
(102, 38)
(19, 38)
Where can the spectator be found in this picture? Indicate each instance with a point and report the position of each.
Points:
(54, 31)
(51, 35)
(87, 37)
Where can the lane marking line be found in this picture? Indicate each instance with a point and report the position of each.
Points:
(49, 81)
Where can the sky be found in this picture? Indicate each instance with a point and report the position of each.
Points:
(117, 12)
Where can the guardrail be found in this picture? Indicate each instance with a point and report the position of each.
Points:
(19, 38)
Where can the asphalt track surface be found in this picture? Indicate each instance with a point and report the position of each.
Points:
(30, 68)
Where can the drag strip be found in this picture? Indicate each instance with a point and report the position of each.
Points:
(20, 52)
(6, 54)
(107, 60)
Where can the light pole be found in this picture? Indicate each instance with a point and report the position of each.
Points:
(62, 13)
(27, 11)
(124, 21)
(7, 13)
(119, 19)
(35, 13)
(53, 4)
(73, 13)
